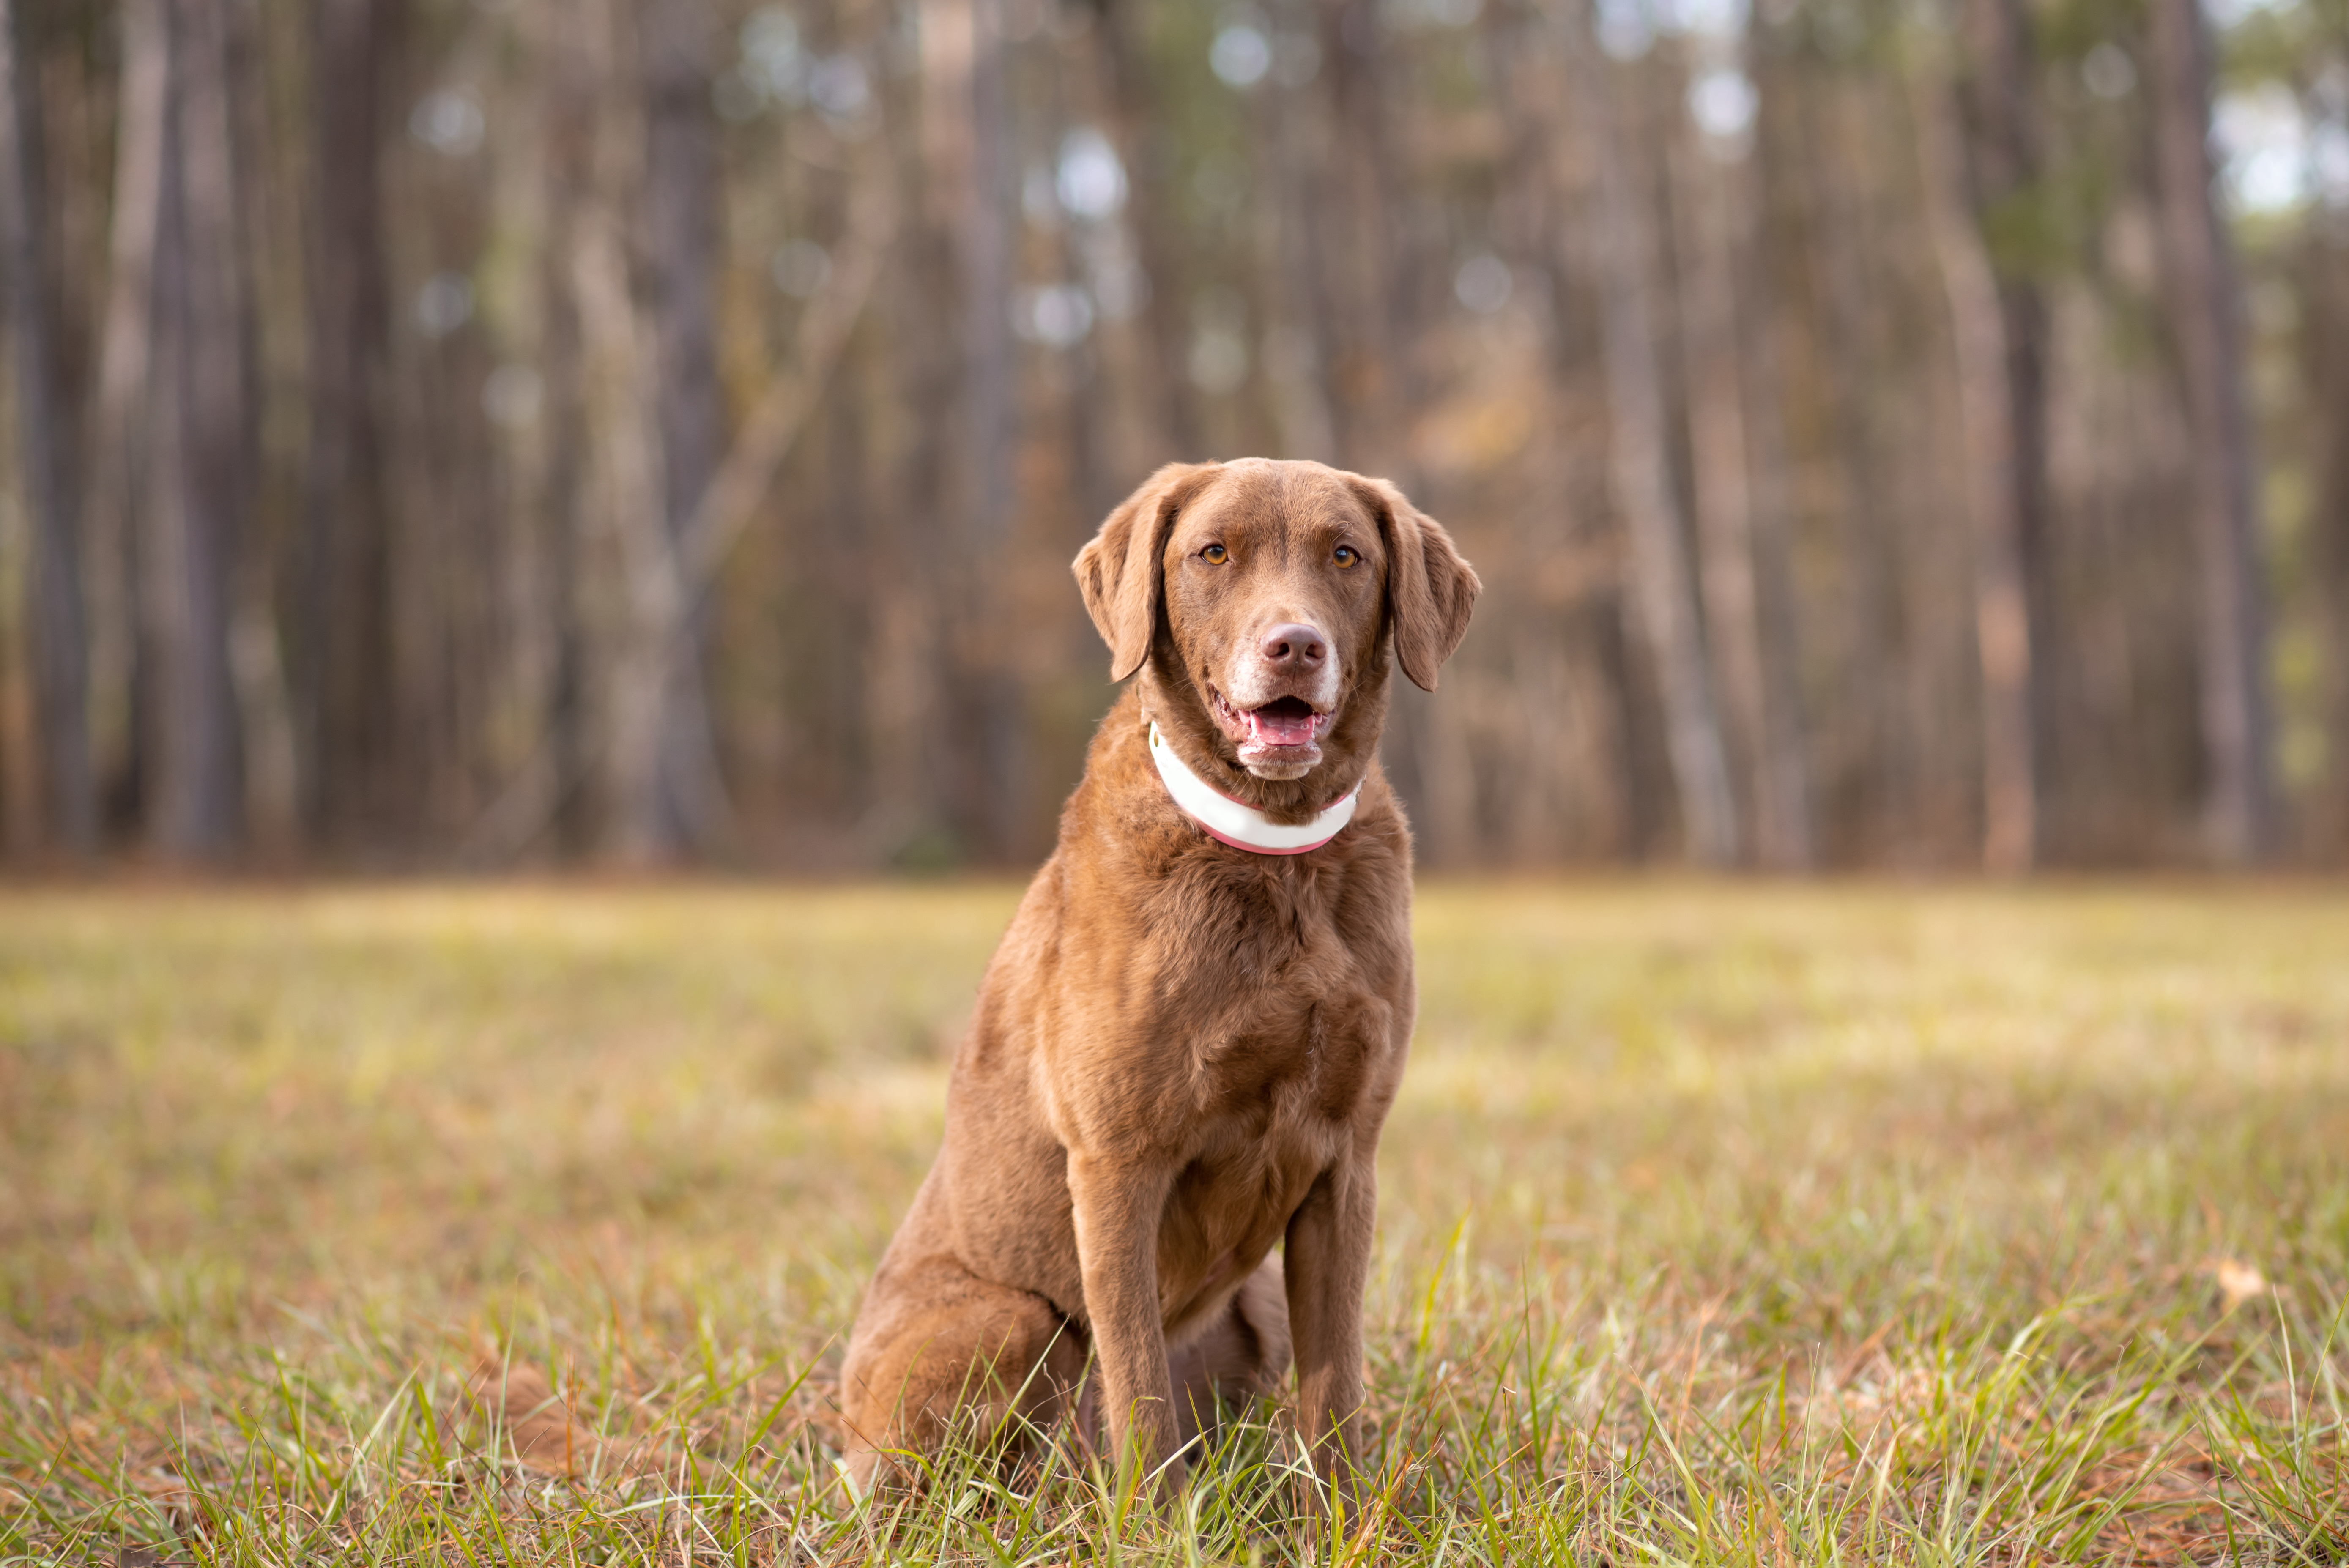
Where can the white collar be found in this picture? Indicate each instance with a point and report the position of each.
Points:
(1240, 826)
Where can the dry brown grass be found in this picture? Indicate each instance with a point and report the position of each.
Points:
(1720, 1224)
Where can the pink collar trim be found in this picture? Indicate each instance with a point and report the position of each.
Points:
(1244, 826)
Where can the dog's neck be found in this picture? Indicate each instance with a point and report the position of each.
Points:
(1171, 702)
(1244, 826)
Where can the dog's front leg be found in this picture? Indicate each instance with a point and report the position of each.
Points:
(1118, 1207)
(1327, 1265)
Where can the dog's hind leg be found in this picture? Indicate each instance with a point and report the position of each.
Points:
(1238, 1358)
(940, 1354)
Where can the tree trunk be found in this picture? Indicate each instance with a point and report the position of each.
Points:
(53, 583)
(1784, 834)
(991, 399)
(1595, 768)
(120, 451)
(2198, 274)
(1995, 495)
(670, 804)
(618, 386)
(346, 709)
(2000, 165)
(197, 478)
(1139, 123)
(1663, 581)
(545, 796)
(1712, 220)
(970, 165)
(1294, 136)
(1867, 754)
(568, 137)
(1370, 256)
(1330, 253)
(2325, 353)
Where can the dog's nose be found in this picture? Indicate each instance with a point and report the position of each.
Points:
(1293, 646)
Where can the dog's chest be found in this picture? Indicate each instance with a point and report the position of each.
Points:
(1281, 1112)
(1283, 1091)
(1299, 1011)
(1286, 1066)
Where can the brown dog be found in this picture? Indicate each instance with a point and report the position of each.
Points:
(1187, 1043)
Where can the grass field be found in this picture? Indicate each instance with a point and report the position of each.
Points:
(1719, 1224)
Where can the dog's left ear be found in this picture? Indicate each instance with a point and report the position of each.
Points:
(1430, 589)
(1118, 571)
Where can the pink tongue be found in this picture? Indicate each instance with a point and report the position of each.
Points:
(1280, 728)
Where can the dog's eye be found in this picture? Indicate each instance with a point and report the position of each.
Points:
(1345, 556)
(1215, 555)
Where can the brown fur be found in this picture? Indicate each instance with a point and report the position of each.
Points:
(1183, 1052)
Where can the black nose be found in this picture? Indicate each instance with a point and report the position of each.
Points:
(1293, 646)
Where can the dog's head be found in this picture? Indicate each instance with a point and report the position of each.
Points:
(1265, 596)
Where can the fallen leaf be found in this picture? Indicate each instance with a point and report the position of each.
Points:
(2238, 1281)
(536, 1423)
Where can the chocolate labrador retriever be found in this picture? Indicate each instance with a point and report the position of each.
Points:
(1185, 1046)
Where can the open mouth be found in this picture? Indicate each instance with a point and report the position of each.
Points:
(1284, 724)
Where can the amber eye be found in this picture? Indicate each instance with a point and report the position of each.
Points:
(1345, 556)
(1215, 555)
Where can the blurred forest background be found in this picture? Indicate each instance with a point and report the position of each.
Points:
(1897, 433)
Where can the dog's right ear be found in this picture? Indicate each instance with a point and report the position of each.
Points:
(1118, 571)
